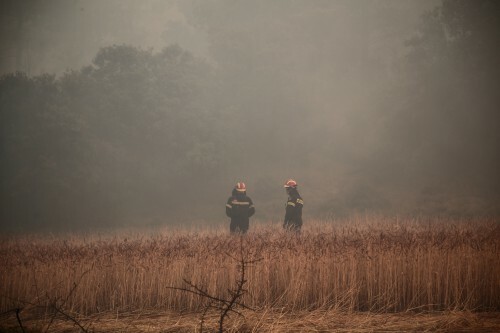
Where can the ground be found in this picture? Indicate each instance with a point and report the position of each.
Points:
(265, 320)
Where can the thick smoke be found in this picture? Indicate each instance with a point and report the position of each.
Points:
(126, 112)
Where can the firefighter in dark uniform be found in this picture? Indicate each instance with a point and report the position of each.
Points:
(294, 204)
(239, 208)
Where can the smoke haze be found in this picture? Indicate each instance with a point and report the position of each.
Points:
(148, 112)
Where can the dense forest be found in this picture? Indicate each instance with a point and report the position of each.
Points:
(142, 137)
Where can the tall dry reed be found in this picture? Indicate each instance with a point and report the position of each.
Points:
(368, 264)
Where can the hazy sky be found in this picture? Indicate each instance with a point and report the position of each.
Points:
(56, 35)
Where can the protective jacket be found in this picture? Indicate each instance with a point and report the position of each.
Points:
(239, 208)
(293, 212)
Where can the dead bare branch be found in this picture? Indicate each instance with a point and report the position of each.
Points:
(225, 306)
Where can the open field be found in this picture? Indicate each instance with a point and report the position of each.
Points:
(362, 274)
(277, 321)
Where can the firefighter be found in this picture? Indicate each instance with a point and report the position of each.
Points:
(294, 204)
(239, 208)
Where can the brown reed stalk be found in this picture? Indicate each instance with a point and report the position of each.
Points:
(224, 305)
(361, 264)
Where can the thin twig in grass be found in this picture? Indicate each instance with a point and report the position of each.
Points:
(53, 305)
(18, 310)
(60, 307)
(223, 305)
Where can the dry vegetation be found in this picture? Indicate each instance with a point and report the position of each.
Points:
(343, 275)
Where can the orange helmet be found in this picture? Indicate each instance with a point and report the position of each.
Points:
(291, 183)
(240, 187)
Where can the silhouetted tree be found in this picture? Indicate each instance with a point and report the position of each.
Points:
(114, 141)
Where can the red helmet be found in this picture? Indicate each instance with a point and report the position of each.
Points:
(240, 187)
(291, 183)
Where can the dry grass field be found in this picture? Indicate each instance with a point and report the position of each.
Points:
(365, 274)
